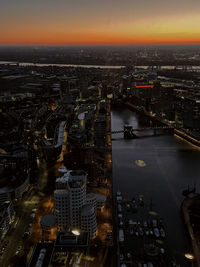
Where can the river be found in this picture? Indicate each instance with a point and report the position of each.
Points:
(170, 166)
(168, 67)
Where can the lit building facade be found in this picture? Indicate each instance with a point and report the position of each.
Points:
(61, 208)
(70, 202)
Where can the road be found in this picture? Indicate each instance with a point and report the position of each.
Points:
(15, 234)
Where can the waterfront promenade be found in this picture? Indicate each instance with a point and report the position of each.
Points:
(186, 205)
(177, 131)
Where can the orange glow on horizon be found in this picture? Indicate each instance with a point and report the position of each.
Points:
(160, 34)
(100, 41)
(99, 23)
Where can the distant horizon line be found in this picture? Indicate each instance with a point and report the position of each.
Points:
(98, 45)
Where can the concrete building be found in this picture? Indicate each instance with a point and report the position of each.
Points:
(100, 130)
(61, 208)
(88, 220)
(6, 217)
(77, 194)
(91, 200)
(70, 199)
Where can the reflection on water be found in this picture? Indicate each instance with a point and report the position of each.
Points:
(171, 165)
(140, 163)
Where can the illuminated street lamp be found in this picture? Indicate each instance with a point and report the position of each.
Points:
(189, 256)
(76, 232)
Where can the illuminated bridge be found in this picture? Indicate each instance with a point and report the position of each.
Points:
(129, 131)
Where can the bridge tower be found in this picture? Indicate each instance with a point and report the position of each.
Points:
(128, 132)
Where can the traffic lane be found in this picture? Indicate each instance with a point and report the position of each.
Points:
(15, 235)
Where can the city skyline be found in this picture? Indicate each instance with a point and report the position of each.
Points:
(99, 22)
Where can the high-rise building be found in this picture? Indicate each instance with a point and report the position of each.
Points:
(61, 208)
(76, 187)
(70, 203)
(88, 220)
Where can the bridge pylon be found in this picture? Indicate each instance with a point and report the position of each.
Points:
(128, 132)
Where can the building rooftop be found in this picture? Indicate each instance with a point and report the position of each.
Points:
(91, 196)
(48, 220)
(100, 197)
(87, 210)
(67, 239)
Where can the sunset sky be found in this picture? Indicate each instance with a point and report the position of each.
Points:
(67, 22)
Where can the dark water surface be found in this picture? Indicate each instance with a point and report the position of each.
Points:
(171, 165)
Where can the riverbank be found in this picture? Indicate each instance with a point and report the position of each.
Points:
(145, 67)
(180, 133)
(186, 137)
(187, 205)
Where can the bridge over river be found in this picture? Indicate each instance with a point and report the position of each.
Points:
(129, 131)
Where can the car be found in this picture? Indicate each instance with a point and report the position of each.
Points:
(108, 237)
(33, 215)
(18, 249)
(128, 255)
(121, 257)
(16, 252)
(162, 251)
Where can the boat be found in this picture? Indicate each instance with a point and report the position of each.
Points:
(121, 223)
(134, 223)
(156, 232)
(121, 257)
(151, 232)
(134, 207)
(119, 207)
(121, 235)
(162, 232)
(119, 196)
(162, 251)
(128, 206)
(147, 232)
(119, 193)
(145, 224)
(119, 199)
(141, 231)
(160, 222)
(128, 255)
(141, 200)
(120, 216)
(154, 223)
(131, 222)
(131, 231)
